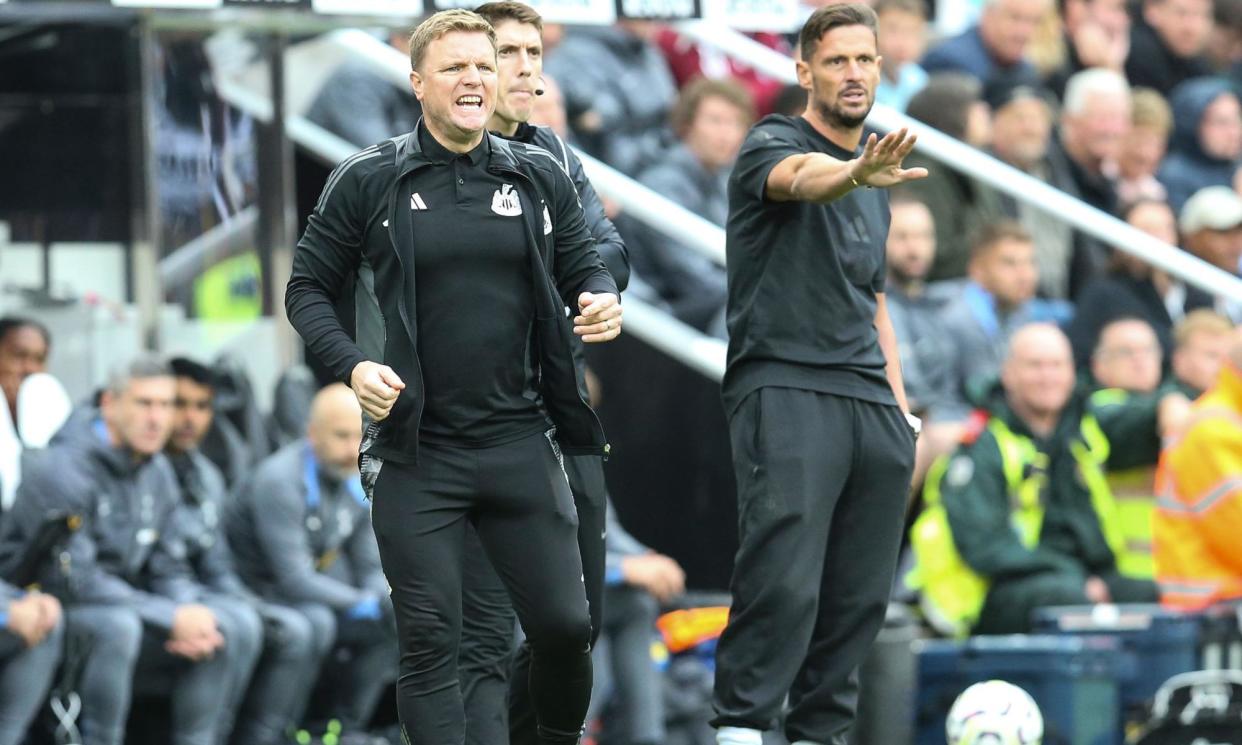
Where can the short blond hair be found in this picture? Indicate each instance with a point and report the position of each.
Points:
(1201, 321)
(446, 22)
(1149, 110)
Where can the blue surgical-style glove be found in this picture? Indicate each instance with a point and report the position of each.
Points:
(365, 610)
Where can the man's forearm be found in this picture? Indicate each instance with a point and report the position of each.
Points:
(822, 178)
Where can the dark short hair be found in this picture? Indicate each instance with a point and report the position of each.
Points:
(914, 7)
(508, 10)
(993, 233)
(200, 374)
(829, 17)
(701, 89)
(9, 324)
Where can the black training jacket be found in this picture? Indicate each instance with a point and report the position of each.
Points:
(363, 217)
(608, 241)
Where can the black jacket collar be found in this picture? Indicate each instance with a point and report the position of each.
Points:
(411, 155)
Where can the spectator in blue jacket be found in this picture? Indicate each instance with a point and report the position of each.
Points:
(998, 299)
(996, 46)
(1207, 138)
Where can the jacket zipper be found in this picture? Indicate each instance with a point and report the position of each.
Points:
(542, 240)
(401, 309)
(606, 449)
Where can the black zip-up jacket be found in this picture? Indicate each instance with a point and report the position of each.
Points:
(360, 231)
(608, 241)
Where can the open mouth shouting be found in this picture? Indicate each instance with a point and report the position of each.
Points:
(470, 102)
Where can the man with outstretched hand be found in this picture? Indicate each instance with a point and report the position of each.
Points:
(823, 445)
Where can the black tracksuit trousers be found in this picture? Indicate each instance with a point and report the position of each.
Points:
(517, 497)
(490, 671)
(822, 483)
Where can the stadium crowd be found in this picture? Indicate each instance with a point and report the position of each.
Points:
(1083, 409)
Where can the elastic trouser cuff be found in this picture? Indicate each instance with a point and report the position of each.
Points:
(552, 737)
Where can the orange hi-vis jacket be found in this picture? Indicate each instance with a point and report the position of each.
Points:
(1198, 523)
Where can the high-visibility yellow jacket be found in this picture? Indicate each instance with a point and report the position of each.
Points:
(1003, 477)
(1198, 527)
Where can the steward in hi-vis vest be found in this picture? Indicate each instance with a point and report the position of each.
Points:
(1020, 516)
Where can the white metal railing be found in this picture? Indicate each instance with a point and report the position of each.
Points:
(989, 170)
(234, 235)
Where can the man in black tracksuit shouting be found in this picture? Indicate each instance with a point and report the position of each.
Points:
(466, 250)
(487, 678)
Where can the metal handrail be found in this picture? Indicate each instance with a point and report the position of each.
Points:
(995, 173)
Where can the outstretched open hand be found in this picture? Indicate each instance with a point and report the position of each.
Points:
(880, 163)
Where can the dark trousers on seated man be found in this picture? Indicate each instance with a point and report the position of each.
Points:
(627, 682)
(355, 679)
(25, 677)
(1011, 604)
(120, 649)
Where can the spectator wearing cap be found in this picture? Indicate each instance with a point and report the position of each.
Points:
(996, 46)
(1097, 34)
(902, 39)
(1021, 133)
(1201, 342)
(1168, 42)
(1132, 288)
(952, 103)
(1142, 150)
(1207, 138)
(1095, 119)
(1211, 225)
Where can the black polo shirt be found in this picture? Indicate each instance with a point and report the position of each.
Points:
(803, 277)
(475, 297)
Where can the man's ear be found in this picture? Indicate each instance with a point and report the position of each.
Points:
(804, 74)
(107, 404)
(416, 84)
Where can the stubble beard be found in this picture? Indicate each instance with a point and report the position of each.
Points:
(838, 118)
